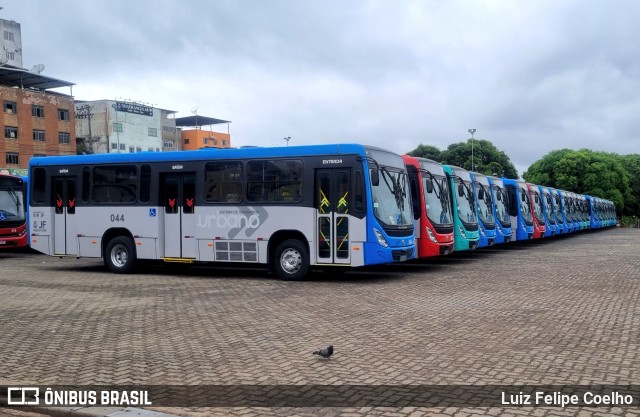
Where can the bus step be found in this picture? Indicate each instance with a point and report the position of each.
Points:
(179, 260)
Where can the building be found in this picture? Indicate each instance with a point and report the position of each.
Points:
(11, 53)
(197, 137)
(113, 126)
(36, 121)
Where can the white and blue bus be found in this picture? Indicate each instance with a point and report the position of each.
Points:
(289, 208)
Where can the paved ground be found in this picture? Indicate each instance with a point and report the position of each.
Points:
(562, 311)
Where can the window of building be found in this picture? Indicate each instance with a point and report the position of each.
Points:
(153, 132)
(138, 149)
(206, 140)
(131, 149)
(63, 114)
(274, 181)
(10, 107)
(37, 111)
(8, 36)
(223, 182)
(10, 132)
(117, 127)
(115, 184)
(224, 142)
(13, 158)
(150, 149)
(64, 138)
(168, 144)
(114, 146)
(123, 147)
(215, 141)
(186, 141)
(38, 135)
(10, 55)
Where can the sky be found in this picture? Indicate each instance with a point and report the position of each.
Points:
(530, 76)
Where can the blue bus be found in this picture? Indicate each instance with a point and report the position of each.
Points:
(519, 209)
(501, 210)
(290, 208)
(484, 209)
(465, 220)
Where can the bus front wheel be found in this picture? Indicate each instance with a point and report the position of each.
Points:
(291, 260)
(120, 255)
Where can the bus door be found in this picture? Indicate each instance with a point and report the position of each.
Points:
(64, 192)
(178, 198)
(332, 223)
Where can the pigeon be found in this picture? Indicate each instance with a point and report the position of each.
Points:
(325, 352)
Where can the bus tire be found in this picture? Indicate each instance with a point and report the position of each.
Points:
(120, 255)
(291, 260)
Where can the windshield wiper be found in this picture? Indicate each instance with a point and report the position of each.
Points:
(397, 189)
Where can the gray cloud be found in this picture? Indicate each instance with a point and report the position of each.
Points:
(529, 76)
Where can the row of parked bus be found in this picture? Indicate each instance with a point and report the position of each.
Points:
(456, 210)
(290, 208)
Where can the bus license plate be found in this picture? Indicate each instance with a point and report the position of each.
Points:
(3, 242)
(403, 258)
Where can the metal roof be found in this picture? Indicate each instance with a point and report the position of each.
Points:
(198, 121)
(20, 77)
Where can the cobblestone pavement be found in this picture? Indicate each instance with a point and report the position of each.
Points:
(560, 311)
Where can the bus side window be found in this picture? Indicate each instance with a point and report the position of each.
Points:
(39, 186)
(513, 203)
(359, 194)
(86, 184)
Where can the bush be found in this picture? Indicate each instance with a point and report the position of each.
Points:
(630, 221)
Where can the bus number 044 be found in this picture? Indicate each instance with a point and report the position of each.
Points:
(117, 218)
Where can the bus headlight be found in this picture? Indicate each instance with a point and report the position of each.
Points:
(381, 240)
(462, 233)
(432, 237)
(481, 231)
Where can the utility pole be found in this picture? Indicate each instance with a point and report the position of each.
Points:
(472, 131)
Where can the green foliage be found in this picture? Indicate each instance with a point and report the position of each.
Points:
(427, 151)
(630, 221)
(599, 174)
(487, 159)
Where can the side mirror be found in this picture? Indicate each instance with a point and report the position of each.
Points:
(375, 177)
(460, 190)
(429, 185)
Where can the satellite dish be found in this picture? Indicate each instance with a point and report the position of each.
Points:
(194, 110)
(37, 69)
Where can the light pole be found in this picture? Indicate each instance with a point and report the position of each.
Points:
(472, 131)
(288, 138)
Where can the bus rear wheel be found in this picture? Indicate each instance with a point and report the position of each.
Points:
(291, 260)
(120, 255)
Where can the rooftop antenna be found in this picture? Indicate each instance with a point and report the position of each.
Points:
(37, 69)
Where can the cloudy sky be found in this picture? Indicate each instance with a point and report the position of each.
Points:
(530, 76)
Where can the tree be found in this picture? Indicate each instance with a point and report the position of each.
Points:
(631, 164)
(427, 151)
(599, 174)
(487, 159)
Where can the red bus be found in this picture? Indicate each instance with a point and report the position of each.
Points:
(539, 224)
(432, 212)
(13, 219)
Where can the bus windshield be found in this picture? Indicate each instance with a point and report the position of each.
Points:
(391, 199)
(485, 211)
(466, 200)
(502, 213)
(436, 192)
(537, 207)
(525, 206)
(548, 207)
(11, 204)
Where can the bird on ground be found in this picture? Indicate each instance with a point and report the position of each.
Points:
(325, 352)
